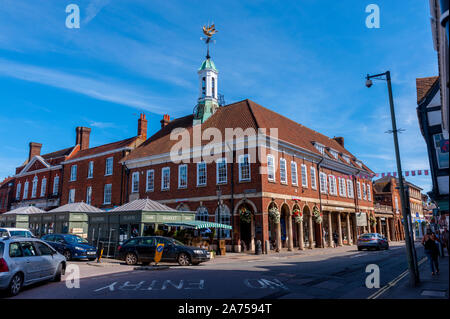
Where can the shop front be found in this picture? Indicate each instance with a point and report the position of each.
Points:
(19, 217)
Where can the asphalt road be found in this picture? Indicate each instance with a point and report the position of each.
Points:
(331, 275)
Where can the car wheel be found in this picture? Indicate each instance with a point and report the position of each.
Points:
(183, 259)
(57, 277)
(131, 259)
(15, 285)
(67, 254)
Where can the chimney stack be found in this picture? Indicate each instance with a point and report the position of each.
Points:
(165, 120)
(35, 149)
(142, 126)
(340, 140)
(83, 134)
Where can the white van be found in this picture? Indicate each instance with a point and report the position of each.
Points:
(15, 232)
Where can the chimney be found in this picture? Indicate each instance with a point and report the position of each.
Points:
(35, 149)
(83, 134)
(165, 120)
(142, 126)
(340, 140)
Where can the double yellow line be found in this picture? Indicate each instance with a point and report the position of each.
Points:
(393, 282)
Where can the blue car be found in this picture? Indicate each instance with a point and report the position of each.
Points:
(71, 246)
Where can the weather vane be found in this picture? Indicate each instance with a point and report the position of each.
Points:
(209, 31)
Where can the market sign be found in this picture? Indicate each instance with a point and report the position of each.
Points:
(361, 219)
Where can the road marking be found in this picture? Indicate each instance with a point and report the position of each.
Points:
(391, 284)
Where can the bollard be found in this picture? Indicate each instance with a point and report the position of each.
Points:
(267, 247)
(258, 248)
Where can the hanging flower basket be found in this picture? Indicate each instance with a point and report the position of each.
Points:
(298, 215)
(373, 221)
(245, 215)
(318, 216)
(274, 215)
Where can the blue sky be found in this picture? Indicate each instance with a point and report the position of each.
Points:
(304, 59)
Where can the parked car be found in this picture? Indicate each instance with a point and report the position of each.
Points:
(15, 232)
(71, 246)
(142, 249)
(25, 261)
(372, 241)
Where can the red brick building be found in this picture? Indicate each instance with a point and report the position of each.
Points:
(305, 173)
(95, 175)
(6, 194)
(38, 180)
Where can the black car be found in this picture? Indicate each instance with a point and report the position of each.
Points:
(71, 246)
(142, 249)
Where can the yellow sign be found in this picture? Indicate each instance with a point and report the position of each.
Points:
(159, 252)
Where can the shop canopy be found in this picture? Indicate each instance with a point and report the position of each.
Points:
(198, 224)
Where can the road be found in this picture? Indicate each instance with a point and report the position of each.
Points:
(336, 273)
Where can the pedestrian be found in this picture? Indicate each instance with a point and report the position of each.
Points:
(439, 244)
(431, 250)
(335, 239)
(445, 239)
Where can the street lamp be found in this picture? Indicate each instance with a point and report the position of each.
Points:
(413, 271)
(219, 194)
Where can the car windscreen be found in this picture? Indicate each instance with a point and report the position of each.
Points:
(72, 239)
(20, 233)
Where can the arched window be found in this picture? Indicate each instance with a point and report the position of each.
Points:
(202, 214)
(213, 87)
(183, 208)
(225, 218)
(34, 187)
(43, 186)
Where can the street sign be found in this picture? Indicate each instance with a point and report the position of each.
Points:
(158, 252)
(361, 219)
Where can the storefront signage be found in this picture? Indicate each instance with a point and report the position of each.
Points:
(361, 219)
(77, 230)
(98, 219)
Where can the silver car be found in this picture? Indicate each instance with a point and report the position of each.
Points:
(25, 261)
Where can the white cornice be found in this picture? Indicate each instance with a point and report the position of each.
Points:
(51, 168)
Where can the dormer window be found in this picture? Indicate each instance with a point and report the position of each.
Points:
(320, 148)
(359, 163)
(334, 153)
(346, 158)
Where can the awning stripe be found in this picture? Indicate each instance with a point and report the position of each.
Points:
(198, 224)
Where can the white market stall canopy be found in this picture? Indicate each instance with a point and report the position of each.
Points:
(198, 224)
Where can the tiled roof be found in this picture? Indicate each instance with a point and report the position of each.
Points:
(59, 153)
(244, 114)
(146, 205)
(6, 180)
(132, 141)
(25, 210)
(76, 208)
(423, 86)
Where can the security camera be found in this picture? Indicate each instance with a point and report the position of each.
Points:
(369, 83)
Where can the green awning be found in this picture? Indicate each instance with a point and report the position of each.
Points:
(198, 224)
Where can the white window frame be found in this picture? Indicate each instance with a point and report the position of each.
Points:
(135, 182)
(283, 163)
(110, 194)
(55, 185)
(364, 191)
(335, 154)
(71, 196)
(73, 173)
(34, 187)
(294, 173)
(220, 161)
(323, 180)
(313, 177)
(199, 165)
(241, 167)
(89, 195)
(369, 194)
(304, 175)
(320, 148)
(109, 160)
(25, 190)
(358, 189)
(180, 167)
(43, 186)
(342, 187)
(148, 187)
(90, 169)
(18, 189)
(333, 186)
(271, 168)
(350, 188)
(165, 187)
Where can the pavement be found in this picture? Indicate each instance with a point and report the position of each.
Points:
(430, 287)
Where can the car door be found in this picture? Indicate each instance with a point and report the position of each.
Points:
(146, 248)
(33, 264)
(170, 250)
(60, 243)
(49, 264)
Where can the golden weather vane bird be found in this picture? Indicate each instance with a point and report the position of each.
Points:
(209, 31)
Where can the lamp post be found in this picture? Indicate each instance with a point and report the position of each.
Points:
(413, 271)
(219, 194)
